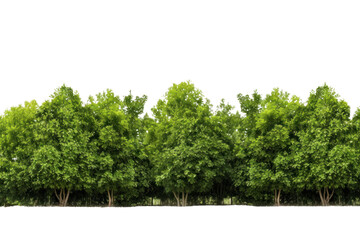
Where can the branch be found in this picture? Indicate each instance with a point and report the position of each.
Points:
(57, 196)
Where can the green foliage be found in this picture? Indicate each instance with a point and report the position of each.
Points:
(114, 166)
(118, 128)
(227, 130)
(109, 149)
(63, 158)
(265, 148)
(17, 144)
(186, 142)
(325, 158)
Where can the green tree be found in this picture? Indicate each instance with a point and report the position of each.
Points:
(117, 126)
(138, 124)
(250, 108)
(229, 123)
(267, 148)
(325, 159)
(17, 144)
(64, 157)
(187, 151)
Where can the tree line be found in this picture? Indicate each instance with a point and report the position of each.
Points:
(106, 151)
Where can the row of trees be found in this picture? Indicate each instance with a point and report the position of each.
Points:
(108, 148)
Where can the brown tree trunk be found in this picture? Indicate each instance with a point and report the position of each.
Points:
(176, 195)
(321, 197)
(330, 195)
(57, 196)
(109, 198)
(62, 196)
(277, 194)
(325, 196)
(67, 197)
(275, 197)
(183, 199)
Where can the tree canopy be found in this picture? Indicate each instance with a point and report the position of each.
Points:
(107, 151)
(188, 150)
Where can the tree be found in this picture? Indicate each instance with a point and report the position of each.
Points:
(116, 124)
(229, 123)
(270, 134)
(187, 151)
(325, 159)
(250, 107)
(138, 124)
(64, 156)
(17, 144)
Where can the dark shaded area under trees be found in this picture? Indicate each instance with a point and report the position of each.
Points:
(107, 152)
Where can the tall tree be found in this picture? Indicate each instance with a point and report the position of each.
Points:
(187, 151)
(325, 159)
(229, 123)
(268, 147)
(116, 124)
(138, 124)
(64, 156)
(250, 108)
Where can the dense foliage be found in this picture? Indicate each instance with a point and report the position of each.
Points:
(106, 151)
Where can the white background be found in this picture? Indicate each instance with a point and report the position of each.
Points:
(177, 223)
(223, 47)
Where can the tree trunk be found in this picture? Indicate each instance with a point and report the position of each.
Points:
(183, 201)
(62, 196)
(67, 197)
(277, 197)
(325, 196)
(58, 196)
(321, 197)
(112, 197)
(109, 198)
(176, 195)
